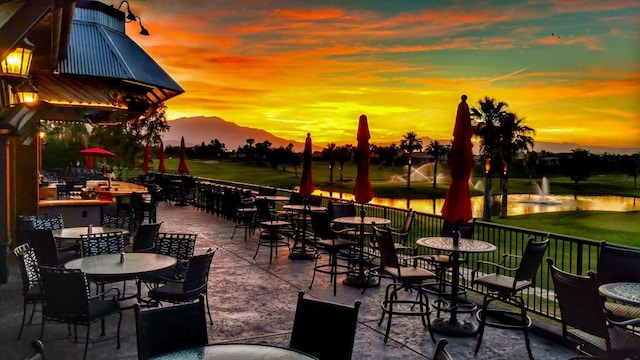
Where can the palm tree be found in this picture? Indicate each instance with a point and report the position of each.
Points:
(514, 138)
(328, 154)
(409, 144)
(486, 120)
(436, 150)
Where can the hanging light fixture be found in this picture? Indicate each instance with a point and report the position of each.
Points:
(143, 30)
(130, 16)
(18, 62)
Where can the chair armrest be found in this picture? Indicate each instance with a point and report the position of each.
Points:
(496, 266)
(102, 294)
(341, 231)
(623, 323)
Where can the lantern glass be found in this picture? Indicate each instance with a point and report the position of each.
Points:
(18, 62)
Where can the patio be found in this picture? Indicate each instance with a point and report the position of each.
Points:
(254, 301)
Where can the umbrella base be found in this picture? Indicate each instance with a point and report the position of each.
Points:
(299, 254)
(457, 328)
(361, 282)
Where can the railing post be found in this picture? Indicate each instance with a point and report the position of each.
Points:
(579, 260)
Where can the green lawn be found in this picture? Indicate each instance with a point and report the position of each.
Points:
(610, 226)
(621, 185)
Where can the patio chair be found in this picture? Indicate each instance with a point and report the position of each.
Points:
(144, 207)
(328, 243)
(31, 293)
(325, 330)
(46, 250)
(168, 328)
(441, 353)
(144, 239)
(38, 351)
(507, 289)
(118, 221)
(177, 245)
(404, 278)
(618, 263)
(584, 317)
(245, 211)
(103, 244)
(193, 285)
(67, 300)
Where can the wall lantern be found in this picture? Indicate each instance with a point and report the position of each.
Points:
(24, 93)
(18, 62)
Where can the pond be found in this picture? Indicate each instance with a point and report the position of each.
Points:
(519, 204)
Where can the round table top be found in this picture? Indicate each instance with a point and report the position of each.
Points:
(307, 208)
(275, 223)
(73, 233)
(272, 197)
(465, 245)
(358, 220)
(134, 263)
(236, 352)
(628, 292)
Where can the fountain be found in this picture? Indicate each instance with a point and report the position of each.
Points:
(421, 173)
(543, 194)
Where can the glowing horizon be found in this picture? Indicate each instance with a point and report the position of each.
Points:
(571, 69)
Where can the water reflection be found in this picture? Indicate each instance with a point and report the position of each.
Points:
(519, 204)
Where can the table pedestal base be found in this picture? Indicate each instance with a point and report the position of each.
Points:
(458, 328)
(302, 254)
(360, 282)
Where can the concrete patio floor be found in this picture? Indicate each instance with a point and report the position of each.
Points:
(254, 301)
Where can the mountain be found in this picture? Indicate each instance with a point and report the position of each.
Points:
(201, 128)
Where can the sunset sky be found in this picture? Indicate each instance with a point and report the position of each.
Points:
(570, 68)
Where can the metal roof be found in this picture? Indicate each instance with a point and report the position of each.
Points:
(98, 48)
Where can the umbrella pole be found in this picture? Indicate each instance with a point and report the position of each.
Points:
(302, 254)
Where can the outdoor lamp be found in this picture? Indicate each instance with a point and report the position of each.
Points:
(143, 30)
(487, 165)
(18, 62)
(505, 166)
(23, 93)
(130, 16)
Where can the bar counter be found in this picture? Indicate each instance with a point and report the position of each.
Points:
(76, 212)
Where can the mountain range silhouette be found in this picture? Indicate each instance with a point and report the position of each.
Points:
(200, 129)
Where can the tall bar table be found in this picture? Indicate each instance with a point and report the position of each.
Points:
(359, 279)
(452, 326)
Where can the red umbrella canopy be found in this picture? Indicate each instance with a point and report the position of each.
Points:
(306, 180)
(362, 190)
(146, 159)
(457, 203)
(95, 151)
(99, 152)
(182, 167)
(161, 166)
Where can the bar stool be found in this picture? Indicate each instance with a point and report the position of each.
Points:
(271, 237)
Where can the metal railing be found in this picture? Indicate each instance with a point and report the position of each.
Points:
(572, 254)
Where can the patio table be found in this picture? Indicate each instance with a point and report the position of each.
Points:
(452, 326)
(236, 352)
(626, 292)
(359, 279)
(302, 253)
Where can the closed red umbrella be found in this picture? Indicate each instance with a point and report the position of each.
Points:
(182, 167)
(362, 190)
(306, 180)
(161, 166)
(457, 203)
(146, 159)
